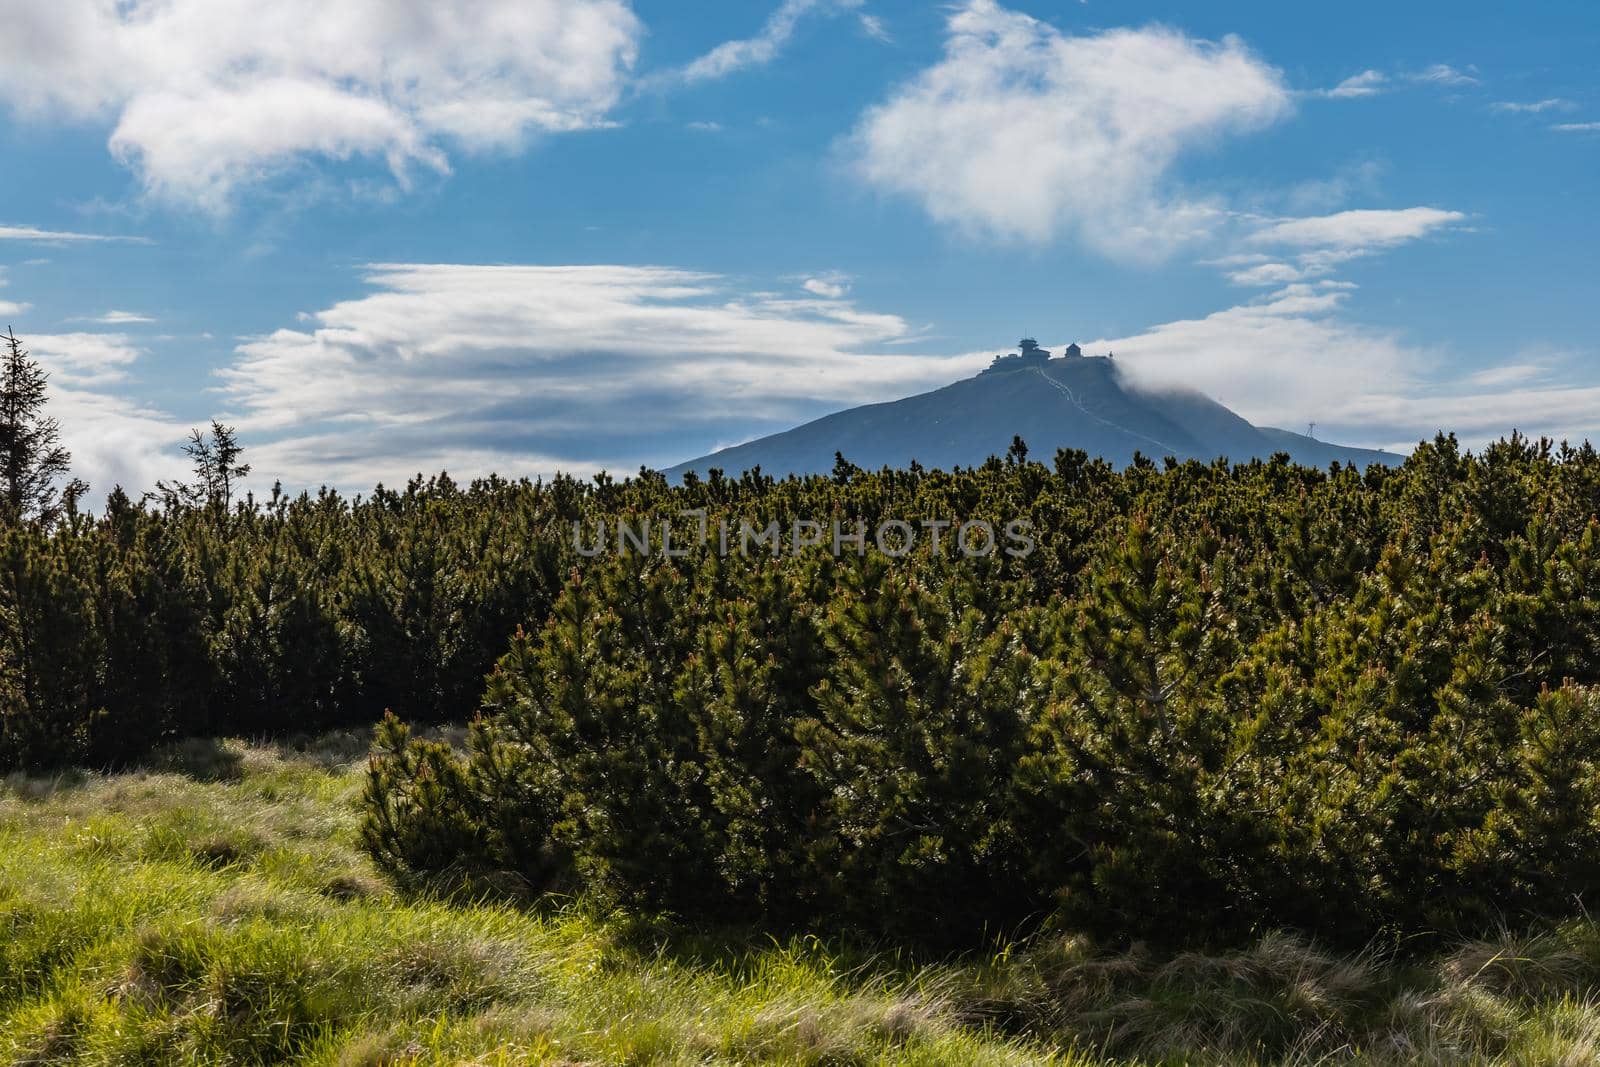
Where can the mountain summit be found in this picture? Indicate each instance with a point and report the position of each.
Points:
(1067, 401)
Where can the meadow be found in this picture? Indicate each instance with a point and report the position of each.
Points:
(215, 906)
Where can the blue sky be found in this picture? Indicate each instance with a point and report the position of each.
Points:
(384, 236)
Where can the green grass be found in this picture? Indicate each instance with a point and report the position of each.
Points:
(215, 909)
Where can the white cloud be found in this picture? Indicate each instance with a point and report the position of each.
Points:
(1509, 374)
(1560, 412)
(1292, 357)
(118, 318)
(34, 233)
(1577, 127)
(569, 367)
(113, 440)
(1445, 74)
(1319, 195)
(874, 27)
(831, 286)
(1282, 360)
(1314, 246)
(1236, 259)
(1554, 103)
(207, 96)
(1372, 82)
(1357, 231)
(12, 307)
(86, 360)
(704, 126)
(763, 48)
(1024, 133)
(1367, 83)
(1267, 274)
(528, 370)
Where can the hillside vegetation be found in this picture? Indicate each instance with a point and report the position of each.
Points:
(215, 907)
(1213, 701)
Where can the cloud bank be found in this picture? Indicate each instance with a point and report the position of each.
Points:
(529, 369)
(1292, 357)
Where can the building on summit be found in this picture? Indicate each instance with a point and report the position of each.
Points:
(1029, 354)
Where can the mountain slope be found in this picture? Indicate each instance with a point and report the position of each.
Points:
(1079, 402)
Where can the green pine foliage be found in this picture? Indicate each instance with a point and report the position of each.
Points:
(915, 729)
(1216, 700)
(1213, 700)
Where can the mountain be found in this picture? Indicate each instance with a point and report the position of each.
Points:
(1073, 401)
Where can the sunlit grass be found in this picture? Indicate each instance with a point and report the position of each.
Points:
(216, 910)
(163, 918)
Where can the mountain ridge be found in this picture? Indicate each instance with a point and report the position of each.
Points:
(1070, 401)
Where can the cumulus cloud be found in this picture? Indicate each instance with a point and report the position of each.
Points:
(209, 95)
(527, 369)
(763, 48)
(1023, 132)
